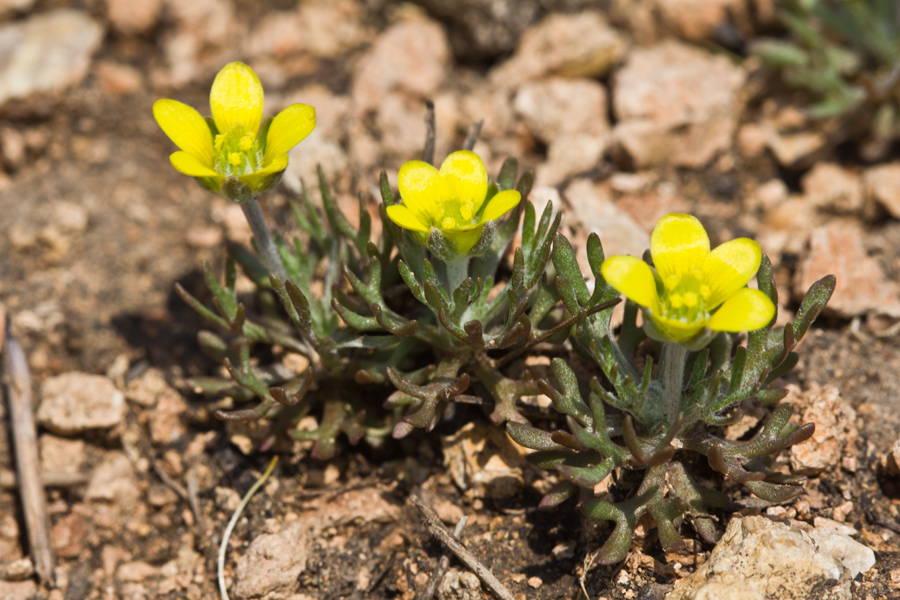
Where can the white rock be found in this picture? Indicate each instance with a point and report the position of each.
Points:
(76, 402)
(570, 155)
(46, 53)
(460, 585)
(569, 45)
(855, 557)
(675, 104)
(697, 19)
(758, 559)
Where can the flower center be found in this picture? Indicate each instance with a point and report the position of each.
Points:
(684, 299)
(452, 213)
(237, 153)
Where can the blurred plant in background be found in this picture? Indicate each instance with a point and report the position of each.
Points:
(844, 57)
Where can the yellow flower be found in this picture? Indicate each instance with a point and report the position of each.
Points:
(692, 288)
(451, 200)
(230, 154)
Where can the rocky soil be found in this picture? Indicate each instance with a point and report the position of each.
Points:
(626, 109)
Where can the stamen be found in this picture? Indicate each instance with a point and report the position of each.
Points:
(676, 301)
(465, 211)
(246, 142)
(447, 223)
(234, 158)
(690, 299)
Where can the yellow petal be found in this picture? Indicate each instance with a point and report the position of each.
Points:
(747, 310)
(187, 163)
(466, 178)
(728, 268)
(289, 128)
(500, 204)
(633, 278)
(236, 97)
(679, 245)
(258, 179)
(405, 218)
(186, 128)
(422, 189)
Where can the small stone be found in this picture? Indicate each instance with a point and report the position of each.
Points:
(854, 557)
(136, 571)
(565, 550)
(768, 196)
(17, 570)
(832, 188)
(791, 148)
(459, 585)
(841, 512)
(147, 389)
(204, 236)
(73, 403)
(570, 155)
(411, 57)
(59, 455)
(132, 17)
(118, 79)
(68, 537)
(591, 208)
(18, 590)
(862, 286)
(568, 45)
(535, 582)
(47, 52)
(676, 104)
(835, 433)
(447, 511)
(114, 480)
(894, 577)
(759, 558)
(9, 7)
(882, 184)
(697, 20)
(751, 140)
(891, 460)
(12, 144)
(557, 106)
(273, 562)
(826, 524)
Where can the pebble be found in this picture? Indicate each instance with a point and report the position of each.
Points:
(47, 52)
(59, 455)
(10, 7)
(273, 562)
(569, 45)
(18, 590)
(459, 585)
(114, 480)
(558, 106)
(835, 433)
(882, 184)
(132, 17)
(891, 459)
(832, 188)
(591, 209)
(698, 20)
(73, 403)
(411, 57)
(759, 558)
(837, 248)
(675, 104)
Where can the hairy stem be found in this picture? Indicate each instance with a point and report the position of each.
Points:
(265, 244)
(674, 359)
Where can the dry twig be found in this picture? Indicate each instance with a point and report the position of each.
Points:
(428, 152)
(31, 488)
(437, 529)
(472, 135)
(443, 564)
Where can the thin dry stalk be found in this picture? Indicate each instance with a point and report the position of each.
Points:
(31, 488)
(437, 529)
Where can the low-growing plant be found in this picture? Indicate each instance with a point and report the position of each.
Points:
(844, 56)
(442, 305)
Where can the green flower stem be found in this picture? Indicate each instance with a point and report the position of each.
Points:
(265, 244)
(457, 272)
(674, 359)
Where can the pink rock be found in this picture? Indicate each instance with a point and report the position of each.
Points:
(676, 104)
(835, 434)
(696, 20)
(133, 16)
(411, 57)
(832, 188)
(837, 248)
(569, 45)
(76, 402)
(558, 106)
(882, 185)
